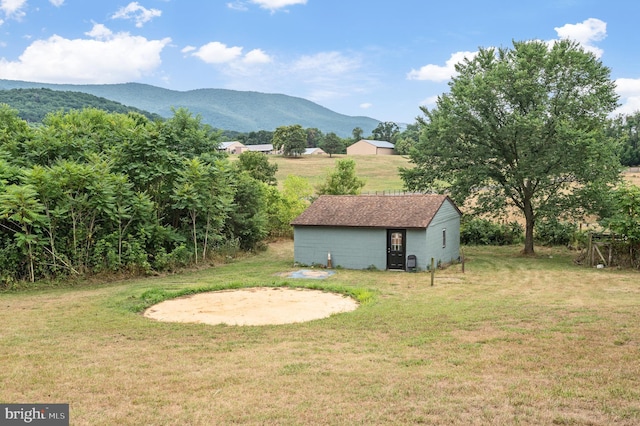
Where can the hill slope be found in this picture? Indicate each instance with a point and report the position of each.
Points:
(220, 108)
(34, 104)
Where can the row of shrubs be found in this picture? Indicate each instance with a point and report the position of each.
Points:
(478, 231)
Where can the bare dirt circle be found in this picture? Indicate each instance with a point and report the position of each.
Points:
(252, 306)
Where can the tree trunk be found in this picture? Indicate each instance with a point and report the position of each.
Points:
(195, 234)
(528, 230)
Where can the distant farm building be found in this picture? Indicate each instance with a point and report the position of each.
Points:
(314, 151)
(264, 148)
(394, 232)
(369, 147)
(233, 147)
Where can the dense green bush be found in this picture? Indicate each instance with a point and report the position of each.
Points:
(552, 232)
(478, 231)
(93, 192)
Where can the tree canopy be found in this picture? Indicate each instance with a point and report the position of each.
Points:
(521, 127)
(626, 129)
(291, 139)
(332, 144)
(342, 180)
(385, 131)
(90, 191)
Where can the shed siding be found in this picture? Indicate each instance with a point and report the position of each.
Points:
(351, 248)
(449, 219)
(361, 148)
(384, 151)
(417, 245)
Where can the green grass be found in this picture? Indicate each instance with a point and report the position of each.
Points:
(513, 340)
(379, 171)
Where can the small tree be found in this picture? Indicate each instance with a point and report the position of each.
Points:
(357, 134)
(624, 217)
(19, 205)
(258, 166)
(284, 206)
(342, 180)
(291, 139)
(332, 144)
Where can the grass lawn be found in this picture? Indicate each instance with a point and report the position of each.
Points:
(513, 340)
(379, 171)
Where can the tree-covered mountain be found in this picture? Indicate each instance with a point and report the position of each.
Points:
(34, 104)
(223, 109)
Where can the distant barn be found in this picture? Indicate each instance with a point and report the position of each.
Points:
(369, 147)
(381, 231)
(233, 147)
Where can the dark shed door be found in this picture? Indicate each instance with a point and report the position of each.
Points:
(396, 244)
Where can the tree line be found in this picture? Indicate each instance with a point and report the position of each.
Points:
(95, 192)
(90, 191)
(33, 105)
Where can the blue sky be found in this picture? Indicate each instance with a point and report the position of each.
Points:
(381, 59)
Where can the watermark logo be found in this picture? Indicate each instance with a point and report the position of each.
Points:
(34, 414)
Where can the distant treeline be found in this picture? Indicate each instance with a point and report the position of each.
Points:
(33, 105)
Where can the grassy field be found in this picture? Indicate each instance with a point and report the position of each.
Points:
(379, 171)
(511, 341)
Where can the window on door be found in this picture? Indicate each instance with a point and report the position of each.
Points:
(396, 241)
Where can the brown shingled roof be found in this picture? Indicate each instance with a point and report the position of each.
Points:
(377, 211)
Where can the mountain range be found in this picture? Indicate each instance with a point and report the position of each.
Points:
(223, 109)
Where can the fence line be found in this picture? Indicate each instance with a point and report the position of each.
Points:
(395, 192)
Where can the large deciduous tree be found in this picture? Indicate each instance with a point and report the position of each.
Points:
(522, 127)
(386, 131)
(332, 144)
(291, 139)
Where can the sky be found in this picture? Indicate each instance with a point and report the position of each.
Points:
(380, 59)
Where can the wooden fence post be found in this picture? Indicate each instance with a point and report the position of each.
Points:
(433, 272)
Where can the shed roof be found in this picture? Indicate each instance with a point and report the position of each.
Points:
(225, 145)
(379, 144)
(373, 211)
(260, 147)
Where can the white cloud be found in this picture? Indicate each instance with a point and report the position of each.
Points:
(321, 77)
(274, 5)
(326, 63)
(104, 58)
(138, 13)
(218, 53)
(100, 32)
(13, 9)
(629, 91)
(327, 76)
(440, 73)
(257, 56)
(366, 105)
(56, 3)
(586, 33)
(238, 6)
(430, 101)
